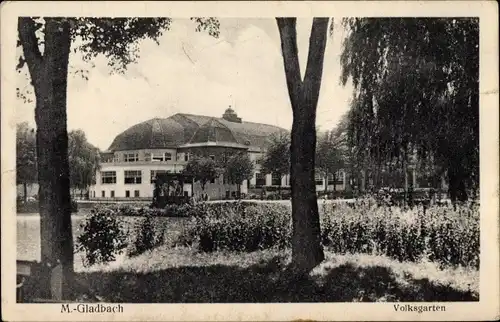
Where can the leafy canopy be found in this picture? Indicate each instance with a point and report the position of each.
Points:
(83, 160)
(118, 39)
(416, 86)
(239, 168)
(329, 153)
(203, 170)
(277, 157)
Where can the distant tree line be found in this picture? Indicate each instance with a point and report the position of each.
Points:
(83, 159)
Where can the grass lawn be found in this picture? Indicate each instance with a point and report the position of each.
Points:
(183, 275)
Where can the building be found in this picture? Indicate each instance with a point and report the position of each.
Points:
(129, 167)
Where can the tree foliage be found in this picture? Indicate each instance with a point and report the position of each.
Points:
(83, 160)
(277, 157)
(118, 39)
(239, 168)
(416, 86)
(203, 170)
(329, 153)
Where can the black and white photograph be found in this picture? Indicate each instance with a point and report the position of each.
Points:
(250, 157)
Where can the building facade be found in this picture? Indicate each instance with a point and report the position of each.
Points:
(129, 167)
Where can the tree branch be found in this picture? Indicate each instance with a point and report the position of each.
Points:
(288, 35)
(317, 45)
(27, 28)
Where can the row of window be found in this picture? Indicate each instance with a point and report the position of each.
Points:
(151, 157)
(131, 176)
(158, 157)
(135, 177)
(330, 179)
(112, 194)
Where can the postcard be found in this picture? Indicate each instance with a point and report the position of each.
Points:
(250, 160)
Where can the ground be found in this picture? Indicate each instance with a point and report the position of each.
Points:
(182, 275)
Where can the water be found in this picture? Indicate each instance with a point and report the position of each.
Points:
(28, 232)
(28, 235)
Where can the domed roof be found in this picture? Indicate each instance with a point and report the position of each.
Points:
(213, 131)
(180, 129)
(155, 133)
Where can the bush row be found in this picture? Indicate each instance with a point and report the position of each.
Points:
(441, 233)
(138, 210)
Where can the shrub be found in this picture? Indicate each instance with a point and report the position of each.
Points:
(238, 226)
(102, 237)
(440, 234)
(147, 236)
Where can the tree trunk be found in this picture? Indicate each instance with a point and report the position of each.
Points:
(307, 251)
(279, 187)
(49, 78)
(456, 183)
(25, 188)
(326, 183)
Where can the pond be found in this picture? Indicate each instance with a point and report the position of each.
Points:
(28, 232)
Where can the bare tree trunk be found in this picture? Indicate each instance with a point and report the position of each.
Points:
(25, 188)
(49, 78)
(307, 251)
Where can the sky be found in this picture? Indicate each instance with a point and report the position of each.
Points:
(192, 72)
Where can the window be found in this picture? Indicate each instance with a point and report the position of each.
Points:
(157, 157)
(127, 194)
(319, 179)
(276, 180)
(340, 177)
(212, 157)
(133, 177)
(167, 156)
(112, 193)
(186, 157)
(103, 193)
(212, 180)
(260, 179)
(108, 177)
(136, 193)
(331, 180)
(147, 157)
(156, 172)
(131, 157)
